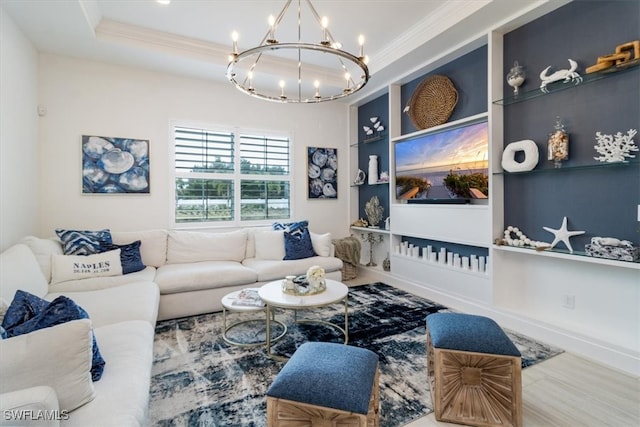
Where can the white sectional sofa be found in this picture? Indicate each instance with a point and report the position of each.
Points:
(194, 269)
(46, 373)
(186, 273)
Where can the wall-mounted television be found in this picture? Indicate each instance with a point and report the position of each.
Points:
(448, 166)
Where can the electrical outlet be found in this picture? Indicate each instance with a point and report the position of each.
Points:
(569, 301)
(638, 213)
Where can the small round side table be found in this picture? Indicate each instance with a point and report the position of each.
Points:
(228, 305)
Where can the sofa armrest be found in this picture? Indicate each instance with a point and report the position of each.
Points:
(31, 406)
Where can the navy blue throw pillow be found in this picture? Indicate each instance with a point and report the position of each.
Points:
(83, 242)
(298, 245)
(130, 257)
(24, 306)
(58, 311)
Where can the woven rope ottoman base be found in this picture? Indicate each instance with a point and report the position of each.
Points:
(326, 384)
(474, 371)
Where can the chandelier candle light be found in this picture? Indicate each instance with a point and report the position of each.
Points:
(322, 70)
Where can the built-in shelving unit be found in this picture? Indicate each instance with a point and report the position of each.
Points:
(522, 285)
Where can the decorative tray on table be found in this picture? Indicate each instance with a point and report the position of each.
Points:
(301, 286)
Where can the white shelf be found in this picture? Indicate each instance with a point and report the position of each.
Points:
(370, 230)
(568, 256)
(445, 126)
(482, 274)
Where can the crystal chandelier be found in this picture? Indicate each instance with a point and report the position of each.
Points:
(297, 72)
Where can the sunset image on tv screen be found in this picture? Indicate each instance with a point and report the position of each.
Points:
(450, 164)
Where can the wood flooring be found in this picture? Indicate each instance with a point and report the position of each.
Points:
(567, 391)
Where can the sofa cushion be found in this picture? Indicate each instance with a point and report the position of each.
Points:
(19, 269)
(122, 396)
(173, 278)
(83, 242)
(298, 245)
(59, 357)
(74, 267)
(133, 301)
(43, 249)
(48, 314)
(153, 246)
(95, 283)
(269, 244)
(194, 246)
(268, 270)
(130, 257)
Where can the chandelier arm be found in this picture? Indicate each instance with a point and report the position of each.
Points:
(319, 19)
(251, 68)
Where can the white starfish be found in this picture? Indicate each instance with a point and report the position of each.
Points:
(563, 235)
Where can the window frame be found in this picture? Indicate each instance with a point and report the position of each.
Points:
(237, 177)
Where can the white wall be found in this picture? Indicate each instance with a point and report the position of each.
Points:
(18, 134)
(91, 98)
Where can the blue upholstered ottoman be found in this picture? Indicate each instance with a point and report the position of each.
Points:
(474, 371)
(326, 381)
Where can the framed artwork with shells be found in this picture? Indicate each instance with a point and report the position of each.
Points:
(115, 165)
(322, 173)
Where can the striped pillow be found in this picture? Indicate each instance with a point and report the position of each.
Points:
(83, 242)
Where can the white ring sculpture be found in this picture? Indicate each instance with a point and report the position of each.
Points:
(530, 161)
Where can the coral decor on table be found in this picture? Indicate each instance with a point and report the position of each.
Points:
(312, 283)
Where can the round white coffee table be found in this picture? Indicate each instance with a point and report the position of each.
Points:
(272, 295)
(228, 304)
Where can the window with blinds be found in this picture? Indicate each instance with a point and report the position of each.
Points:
(214, 185)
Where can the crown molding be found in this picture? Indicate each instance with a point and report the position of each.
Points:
(92, 14)
(145, 38)
(174, 45)
(447, 15)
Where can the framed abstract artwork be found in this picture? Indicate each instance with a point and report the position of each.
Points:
(115, 165)
(322, 173)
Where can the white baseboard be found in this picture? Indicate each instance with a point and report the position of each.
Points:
(620, 359)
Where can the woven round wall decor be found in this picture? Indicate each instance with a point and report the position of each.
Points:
(432, 102)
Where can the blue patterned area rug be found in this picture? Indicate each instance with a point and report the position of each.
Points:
(200, 380)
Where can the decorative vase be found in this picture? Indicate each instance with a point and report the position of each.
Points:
(516, 77)
(558, 145)
(373, 169)
(386, 263)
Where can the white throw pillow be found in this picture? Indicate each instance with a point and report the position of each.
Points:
(197, 246)
(74, 267)
(321, 243)
(58, 357)
(269, 244)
